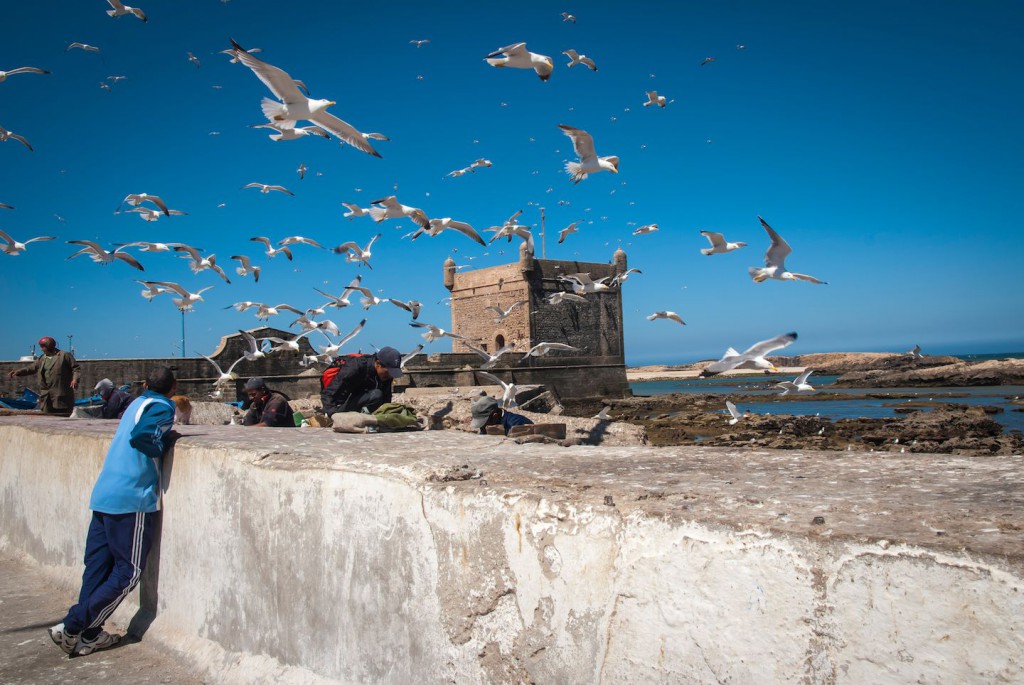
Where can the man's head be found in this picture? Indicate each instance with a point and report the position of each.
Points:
(388, 363)
(161, 380)
(485, 412)
(104, 388)
(47, 344)
(256, 388)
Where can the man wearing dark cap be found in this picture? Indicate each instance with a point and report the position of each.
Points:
(486, 412)
(115, 400)
(57, 375)
(363, 382)
(268, 408)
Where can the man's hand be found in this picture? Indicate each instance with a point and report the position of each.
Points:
(74, 384)
(12, 374)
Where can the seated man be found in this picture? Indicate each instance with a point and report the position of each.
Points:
(268, 408)
(486, 412)
(115, 400)
(363, 383)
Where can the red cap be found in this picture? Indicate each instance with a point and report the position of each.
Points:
(47, 341)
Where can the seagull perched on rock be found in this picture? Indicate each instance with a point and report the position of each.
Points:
(101, 256)
(264, 188)
(21, 70)
(799, 385)
(759, 349)
(666, 315)
(187, 299)
(119, 10)
(390, 208)
(6, 135)
(517, 56)
(294, 106)
(589, 162)
(577, 58)
(271, 250)
(654, 99)
(13, 247)
(718, 244)
(540, 349)
(775, 261)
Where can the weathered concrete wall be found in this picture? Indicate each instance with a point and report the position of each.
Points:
(309, 556)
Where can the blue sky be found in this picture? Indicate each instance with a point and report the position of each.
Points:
(881, 140)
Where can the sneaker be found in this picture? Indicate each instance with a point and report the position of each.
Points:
(104, 640)
(62, 639)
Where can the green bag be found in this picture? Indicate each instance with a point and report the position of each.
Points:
(394, 416)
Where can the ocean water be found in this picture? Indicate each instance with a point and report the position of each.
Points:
(855, 403)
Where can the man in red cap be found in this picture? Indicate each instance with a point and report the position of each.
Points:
(57, 375)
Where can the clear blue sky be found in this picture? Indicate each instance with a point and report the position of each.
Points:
(882, 140)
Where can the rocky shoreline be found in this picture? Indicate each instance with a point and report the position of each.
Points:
(919, 426)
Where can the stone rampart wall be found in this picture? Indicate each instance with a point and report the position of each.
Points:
(305, 556)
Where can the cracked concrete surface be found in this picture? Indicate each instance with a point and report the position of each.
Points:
(345, 561)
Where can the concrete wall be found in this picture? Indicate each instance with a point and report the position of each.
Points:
(310, 556)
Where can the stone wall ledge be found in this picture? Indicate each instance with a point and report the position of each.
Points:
(440, 556)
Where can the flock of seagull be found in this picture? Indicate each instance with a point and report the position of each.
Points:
(292, 114)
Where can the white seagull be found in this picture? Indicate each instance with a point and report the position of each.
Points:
(200, 263)
(419, 43)
(294, 133)
(299, 240)
(518, 57)
(225, 376)
(341, 301)
(6, 135)
(564, 233)
(13, 247)
(264, 188)
(560, 297)
(504, 313)
(253, 351)
(354, 211)
(332, 348)
(589, 162)
(775, 261)
(246, 267)
(508, 390)
(271, 250)
(439, 225)
(411, 306)
(294, 106)
(718, 244)
(186, 300)
(390, 208)
(759, 349)
(120, 10)
(644, 230)
(490, 359)
(577, 58)
(654, 99)
(82, 46)
(101, 256)
(798, 385)
(152, 290)
(151, 247)
(736, 415)
(540, 349)
(21, 70)
(287, 345)
(434, 332)
(356, 253)
(666, 315)
(568, 17)
(147, 214)
(136, 199)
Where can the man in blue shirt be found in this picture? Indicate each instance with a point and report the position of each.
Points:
(486, 412)
(124, 503)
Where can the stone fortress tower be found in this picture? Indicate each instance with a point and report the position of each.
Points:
(594, 326)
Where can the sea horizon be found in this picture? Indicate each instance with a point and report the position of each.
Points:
(965, 356)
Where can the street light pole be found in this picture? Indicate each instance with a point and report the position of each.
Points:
(543, 236)
(183, 333)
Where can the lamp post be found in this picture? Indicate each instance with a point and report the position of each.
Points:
(183, 333)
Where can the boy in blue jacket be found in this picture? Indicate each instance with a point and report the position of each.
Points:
(124, 503)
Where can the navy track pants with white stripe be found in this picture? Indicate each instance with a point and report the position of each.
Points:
(115, 556)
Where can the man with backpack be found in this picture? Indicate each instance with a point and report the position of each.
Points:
(358, 382)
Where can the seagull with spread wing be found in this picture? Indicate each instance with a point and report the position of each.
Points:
(295, 106)
(246, 267)
(101, 256)
(564, 233)
(589, 162)
(439, 225)
(21, 70)
(490, 359)
(6, 135)
(517, 56)
(390, 208)
(508, 390)
(332, 348)
(719, 245)
(200, 263)
(577, 58)
(13, 247)
(354, 253)
(353, 211)
(186, 300)
(434, 332)
(540, 349)
(225, 376)
(271, 250)
(265, 188)
(505, 313)
(799, 385)
(282, 132)
(775, 261)
(287, 345)
(253, 351)
(758, 349)
(666, 315)
(120, 9)
(654, 99)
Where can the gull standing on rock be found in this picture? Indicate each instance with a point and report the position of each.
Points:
(13, 247)
(775, 261)
(589, 162)
(518, 57)
(759, 349)
(294, 106)
(718, 244)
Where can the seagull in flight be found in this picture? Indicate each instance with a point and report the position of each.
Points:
(295, 106)
(21, 70)
(564, 233)
(264, 188)
(579, 59)
(82, 46)
(775, 261)
(152, 291)
(718, 244)
(560, 297)
(299, 240)
(147, 214)
(390, 208)
(504, 313)
(411, 306)
(225, 376)
(151, 247)
(354, 211)
(6, 135)
(540, 349)
(517, 56)
(119, 10)
(13, 247)
(293, 133)
(136, 199)
(332, 348)
(186, 300)
(490, 359)
(101, 256)
(419, 43)
(201, 263)
(434, 332)
(508, 390)
(654, 99)
(246, 268)
(341, 301)
(666, 315)
(439, 225)
(644, 230)
(799, 385)
(759, 349)
(356, 253)
(287, 345)
(734, 412)
(589, 162)
(271, 250)
(568, 17)
(253, 351)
